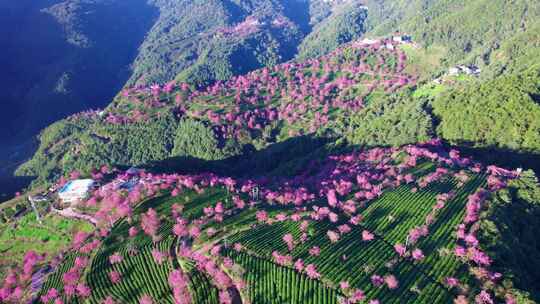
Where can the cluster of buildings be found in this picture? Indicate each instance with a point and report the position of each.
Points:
(389, 43)
(471, 70)
(72, 192)
(80, 189)
(464, 70)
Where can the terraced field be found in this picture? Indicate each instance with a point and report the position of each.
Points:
(140, 275)
(200, 285)
(269, 283)
(226, 248)
(54, 280)
(390, 217)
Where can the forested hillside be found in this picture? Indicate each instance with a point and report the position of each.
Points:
(468, 31)
(504, 113)
(203, 41)
(227, 119)
(345, 23)
(53, 53)
(62, 57)
(360, 93)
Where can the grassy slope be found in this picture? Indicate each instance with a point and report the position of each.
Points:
(27, 234)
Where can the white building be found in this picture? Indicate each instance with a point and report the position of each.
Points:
(464, 69)
(75, 190)
(402, 38)
(369, 41)
(453, 71)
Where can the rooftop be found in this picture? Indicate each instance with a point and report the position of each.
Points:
(79, 185)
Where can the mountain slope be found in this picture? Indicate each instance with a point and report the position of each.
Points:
(55, 51)
(416, 224)
(203, 41)
(504, 113)
(470, 31)
(337, 178)
(226, 119)
(345, 23)
(64, 57)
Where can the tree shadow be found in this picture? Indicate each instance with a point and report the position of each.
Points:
(11, 184)
(280, 159)
(299, 11)
(503, 157)
(297, 155)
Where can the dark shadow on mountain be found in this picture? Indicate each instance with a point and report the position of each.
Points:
(11, 156)
(536, 97)
(236, 13)
(299, 12)
(500, 156)
(60, 58)
(292, 156)
(519, 224)
(11, 185)
(47, 76)
(283, 158)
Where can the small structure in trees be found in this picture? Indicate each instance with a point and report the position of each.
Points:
(367, 41)
(401, 38)
(254, 193)
(464, 70)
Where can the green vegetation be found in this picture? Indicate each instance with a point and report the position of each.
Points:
(470, 31)
(509, 233)
(142, 128)
(139, 272)
(195, 139)
(414, 208)
(391, 121)
(424, 61)
(51, 237)
(270, 283)
(108, 144)
(429, 91)
(518, 53)
(350, 258)
(393, 235)
(501, 113)
(54, 279)
(390, 217)
(345, 24)
(201, 288)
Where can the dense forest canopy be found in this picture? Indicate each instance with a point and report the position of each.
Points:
(504, 113)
